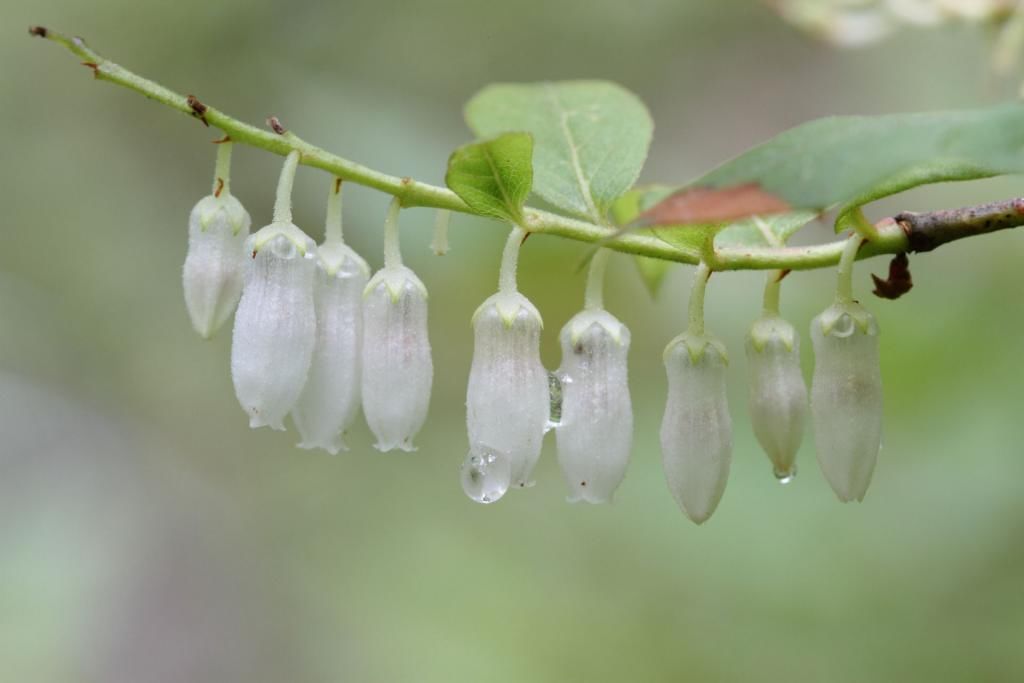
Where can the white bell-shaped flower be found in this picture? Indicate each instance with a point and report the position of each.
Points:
(595, 432)
(397, 370)
(696, 431)
(778, 394)
(507, 401)
(331, 396)
(846, 397)
(275, 326)
(215, 263)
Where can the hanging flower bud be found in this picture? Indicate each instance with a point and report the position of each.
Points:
(846, 397)
(696, 432)
(215, 263)
(778, 395)
(507, 401)
(397, 370)
(596, 430)
(330, 398)
(275, 326)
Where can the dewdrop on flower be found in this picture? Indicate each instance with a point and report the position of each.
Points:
(846, 390)
(696, 431)
(595, 433)
(397, 370)
(778, 394)
(330, 398)
(275, 326)
(215, 264)
(485, 474)
(507, 400)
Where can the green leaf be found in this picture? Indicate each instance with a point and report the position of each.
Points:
(848, 161)
(652, 270)
(591, 138)
(767, 231)
(494, 176)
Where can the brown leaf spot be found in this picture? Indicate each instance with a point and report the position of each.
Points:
(899, 281)
(701, 205)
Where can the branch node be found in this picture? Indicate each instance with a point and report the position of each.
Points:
(95, 68)
(226, 138)
(39, 31)
(275, 125)
(198, 109)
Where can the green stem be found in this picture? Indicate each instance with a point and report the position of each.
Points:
(858, 222)
(889, 239)
(700, 283)
(283, 201)
(844, 286)
(772, 285)
(439, 244)
(510, 261)
(392, 246)
(222, 171)
(593, 298)
(332, 228)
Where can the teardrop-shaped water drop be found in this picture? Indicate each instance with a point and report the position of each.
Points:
(486, 475)
(555, 382)
(783, 476)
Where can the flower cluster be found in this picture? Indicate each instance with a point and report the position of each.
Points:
(310, 319)
(315, 337)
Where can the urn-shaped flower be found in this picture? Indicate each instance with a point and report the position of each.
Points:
(275, 326)
(696, 431)
(595, 432)
(846, 397)
(215, 263)
(397, 370)
(778, 394)
(507, 401)
(331, 396)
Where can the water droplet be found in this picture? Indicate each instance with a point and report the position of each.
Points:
(555, 383)
(485, 474)
(843, 326)
(282, 247)
(785, 477)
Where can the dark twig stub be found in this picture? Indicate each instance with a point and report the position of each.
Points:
(198, 109)
(899, 281)
(275, 125)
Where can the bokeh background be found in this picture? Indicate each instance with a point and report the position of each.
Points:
(146, 534)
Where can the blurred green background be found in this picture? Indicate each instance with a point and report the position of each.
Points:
(146, 534)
